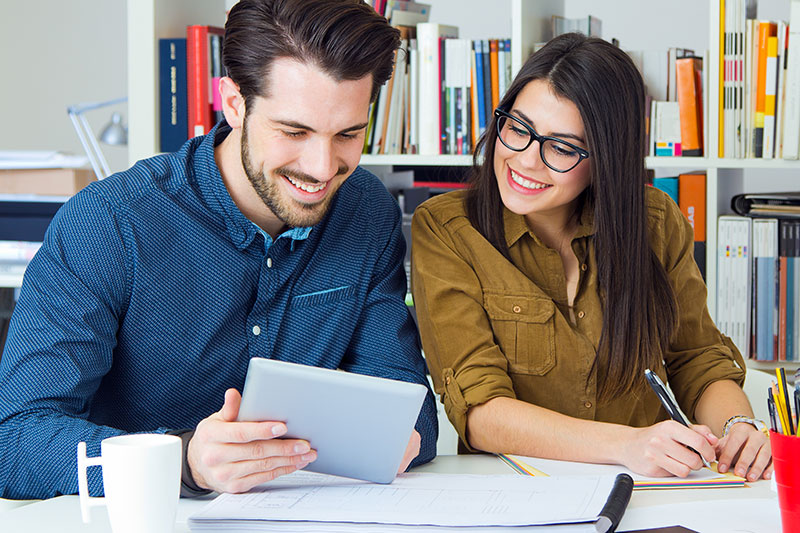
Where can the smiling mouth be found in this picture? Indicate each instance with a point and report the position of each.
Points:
(306, 187)
(532, 185)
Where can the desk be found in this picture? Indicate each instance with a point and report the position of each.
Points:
(705, 510)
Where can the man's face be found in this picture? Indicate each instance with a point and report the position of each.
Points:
(304, 139)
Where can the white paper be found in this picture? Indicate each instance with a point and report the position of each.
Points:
(449, 500)
(31, 159)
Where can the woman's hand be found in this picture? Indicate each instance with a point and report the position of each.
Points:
(661, 450)
(749, 449)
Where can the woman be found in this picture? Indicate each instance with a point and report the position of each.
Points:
(545, 290)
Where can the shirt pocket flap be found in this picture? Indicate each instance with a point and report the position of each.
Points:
(517, 307)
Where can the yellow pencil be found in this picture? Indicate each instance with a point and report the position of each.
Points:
(781, 404)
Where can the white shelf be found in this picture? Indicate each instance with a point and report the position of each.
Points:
(417, 160)
(706, 162)
(12, 281)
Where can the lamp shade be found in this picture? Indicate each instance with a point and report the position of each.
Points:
(115, 133)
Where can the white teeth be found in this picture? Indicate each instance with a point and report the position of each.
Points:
(306, 187)
(526, 183)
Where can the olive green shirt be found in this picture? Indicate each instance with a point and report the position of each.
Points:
(493, 328)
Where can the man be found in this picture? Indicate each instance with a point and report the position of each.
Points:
(153, 288)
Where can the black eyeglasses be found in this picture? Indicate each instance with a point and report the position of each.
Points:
(517, 135)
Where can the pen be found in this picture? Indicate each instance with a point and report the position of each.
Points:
(669, 404)
(797, 407)
(771, 408)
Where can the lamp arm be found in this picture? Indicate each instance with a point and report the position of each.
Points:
(86, 148)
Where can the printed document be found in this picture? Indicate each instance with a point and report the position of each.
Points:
(302, 499)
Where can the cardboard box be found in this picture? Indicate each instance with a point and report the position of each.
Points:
(45, 181)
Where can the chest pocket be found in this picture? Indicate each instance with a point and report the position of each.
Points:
(523, 328)
(328, 296)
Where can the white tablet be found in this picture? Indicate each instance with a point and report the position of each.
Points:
(359, 425)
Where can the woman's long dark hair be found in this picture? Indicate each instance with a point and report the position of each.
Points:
(639, 307)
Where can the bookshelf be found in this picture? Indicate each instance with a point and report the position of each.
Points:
(688, 23)
(149, 21)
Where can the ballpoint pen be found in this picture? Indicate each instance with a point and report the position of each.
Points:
(670, 405)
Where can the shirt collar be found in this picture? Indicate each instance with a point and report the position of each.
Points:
(241, 230)
(516, 227)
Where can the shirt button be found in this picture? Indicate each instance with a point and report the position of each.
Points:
(581, 314)
(256, 330)
(269, 262)
(517, 309)
(584, 267)
(588, 405)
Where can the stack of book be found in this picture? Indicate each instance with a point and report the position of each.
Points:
(189, 72)
(759, 115)
(758, 274)
(442, 94)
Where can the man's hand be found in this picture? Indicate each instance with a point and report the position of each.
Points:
(661, 450)
(412, 451)
(748, 449)
(229, 456)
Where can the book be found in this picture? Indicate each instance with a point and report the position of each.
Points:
(667, 129)
(669, 186)
(536, 467)
(430, 84)
(173, 108)
(734, 271)
(494, 67)
(199, 78)
(692, 201)
(770, 87)
(689, 76)
(791, 127)
(765, 31)
(776, 204)
(479, 97)
(765, 289)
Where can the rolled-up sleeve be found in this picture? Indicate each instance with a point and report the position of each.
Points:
(466, 364)
(699, 354)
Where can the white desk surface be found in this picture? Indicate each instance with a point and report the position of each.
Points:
(750, 509)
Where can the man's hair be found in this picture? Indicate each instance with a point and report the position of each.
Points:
(346, 39)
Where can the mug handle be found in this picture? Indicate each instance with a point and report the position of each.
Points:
(83, 485)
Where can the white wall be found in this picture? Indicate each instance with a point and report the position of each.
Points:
(54, 53)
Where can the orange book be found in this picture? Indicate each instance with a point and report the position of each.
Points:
(765, 31)
(692, 201)
(495, 73)
(689, 80)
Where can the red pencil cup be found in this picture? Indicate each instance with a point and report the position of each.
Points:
(786, 458)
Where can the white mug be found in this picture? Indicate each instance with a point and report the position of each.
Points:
(141, 481)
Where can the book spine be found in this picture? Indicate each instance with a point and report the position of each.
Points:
(173, 117)
(495, 69)
(481, 99)
(197, 79)
(690, 106)
(771, 81)
(487, 81)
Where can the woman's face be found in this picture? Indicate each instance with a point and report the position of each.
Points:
(527, 186)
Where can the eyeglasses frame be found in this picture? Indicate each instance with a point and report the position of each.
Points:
(582, 153)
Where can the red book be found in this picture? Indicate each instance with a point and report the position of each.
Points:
(198, 78)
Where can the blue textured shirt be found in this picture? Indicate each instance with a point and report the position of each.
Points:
(152, 291)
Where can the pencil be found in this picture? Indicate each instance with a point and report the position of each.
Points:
(788, 406)
(779, 407)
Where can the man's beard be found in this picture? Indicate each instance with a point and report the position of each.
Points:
(289, 211)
